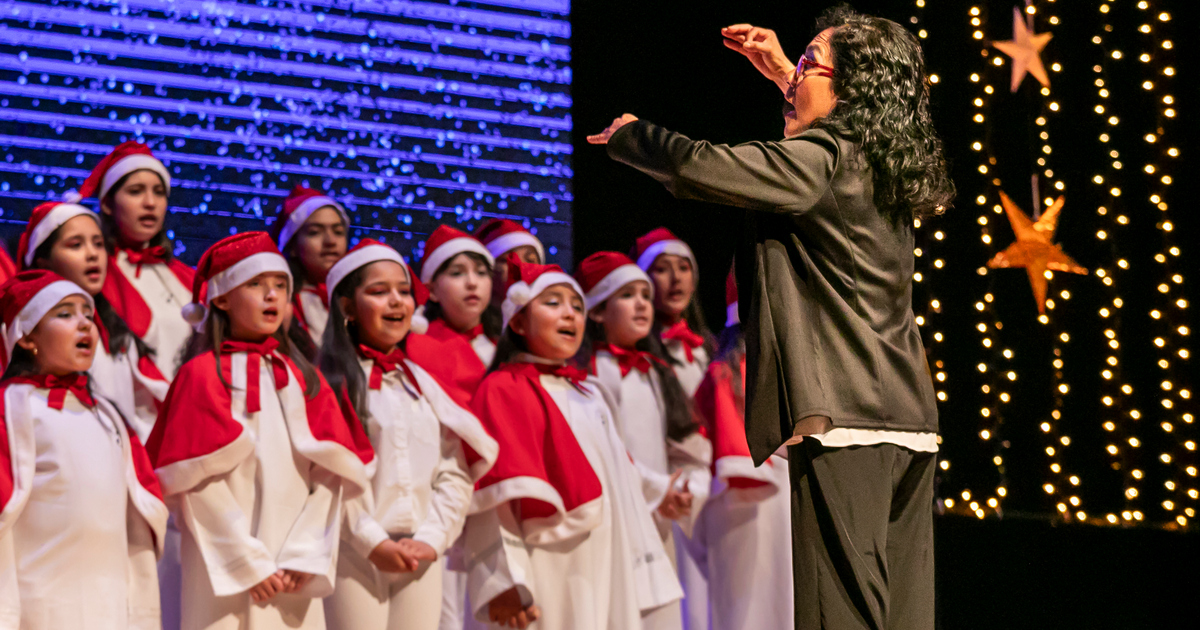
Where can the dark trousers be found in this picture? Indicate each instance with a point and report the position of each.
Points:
(862, 537)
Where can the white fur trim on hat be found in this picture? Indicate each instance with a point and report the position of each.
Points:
(670, 246)
(731, 315)
(520, 293)
(305, 210)
(613, 282)
(127, 165)
(448, 250)
(358, 258)
(501, 245)
(244, 270)
(53, 220)
(36, 309)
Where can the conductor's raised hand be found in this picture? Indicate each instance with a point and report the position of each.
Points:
(617, 123)
(761, 47)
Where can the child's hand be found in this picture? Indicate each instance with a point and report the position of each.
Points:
(677, 503)
(294, 581)
(506, 610)
(267, 588)
(390, 556)
(418, 551)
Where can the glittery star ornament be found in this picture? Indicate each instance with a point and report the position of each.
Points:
(1034, 249)
(1025, 48)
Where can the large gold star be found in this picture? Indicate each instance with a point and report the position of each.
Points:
(1024, 48)
(1033, 248)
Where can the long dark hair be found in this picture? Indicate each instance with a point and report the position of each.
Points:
(680, 420)
(883, 107)
(508, 346)
(433, 310)
(338, 357)
(108, 226)
(119, 335)
(295, 332)
(217, 329)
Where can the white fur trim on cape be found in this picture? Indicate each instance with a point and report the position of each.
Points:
(462, 422)
(742, 467)
(327, 454)
(521, 294)
(448, 250)
(53, 220)
(501, 245)
(563, 525)
(22, 449)
(150, 507)
(613, 282)
(305, 210)
(36, 309)
(186, 474)
(358, 258)
(129, 164)
(674, 247)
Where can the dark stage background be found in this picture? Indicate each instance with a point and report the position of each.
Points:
(1027, 562)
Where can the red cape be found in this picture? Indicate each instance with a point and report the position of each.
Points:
(128, 302)
(723, 415)
(197, 437)
(540, 465)
(449, 359)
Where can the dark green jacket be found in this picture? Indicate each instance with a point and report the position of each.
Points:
(824, 280)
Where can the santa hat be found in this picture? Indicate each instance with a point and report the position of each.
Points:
(26, 298)
(446, 243)
(731, 301)
(45, 219)
(528, 282)
(125, 158)
(366, 252)
(229, 263)
(502, 236)
(656, 243)
(300, 204)
(604, 273)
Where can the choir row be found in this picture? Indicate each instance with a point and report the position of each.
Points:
(490, 441)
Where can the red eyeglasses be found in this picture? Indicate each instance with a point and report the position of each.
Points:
(805, 64)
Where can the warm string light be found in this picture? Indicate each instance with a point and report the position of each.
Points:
(927, 306)
(1169, 323)
(994, 381)
(1119, 418)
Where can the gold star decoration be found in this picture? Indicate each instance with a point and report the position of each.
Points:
(1025, 48)
(1034, 249)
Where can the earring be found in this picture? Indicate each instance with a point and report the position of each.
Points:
(35, 351)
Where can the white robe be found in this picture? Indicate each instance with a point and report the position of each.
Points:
(586, 582)
(421, 489)
(166, 296)
(745, 535)
(315, 315)
(78, 537)
(455, 603)
(695, 585)
(640, 413)
(117, 378)
(275, 510)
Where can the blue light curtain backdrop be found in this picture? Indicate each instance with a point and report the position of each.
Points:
(411, 112)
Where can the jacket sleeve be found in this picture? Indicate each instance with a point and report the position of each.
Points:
(451, 497)
(312, 544)
(788, 176)
(235, 560)
(497, 560)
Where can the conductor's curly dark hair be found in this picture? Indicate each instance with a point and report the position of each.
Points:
(883, 106)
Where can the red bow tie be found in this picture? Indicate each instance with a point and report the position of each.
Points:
(573, 374)
(684, 335)
(631, 359)
(148, 256)
(257, 351)
(76, 383)
(474, 332)
(385, 363)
